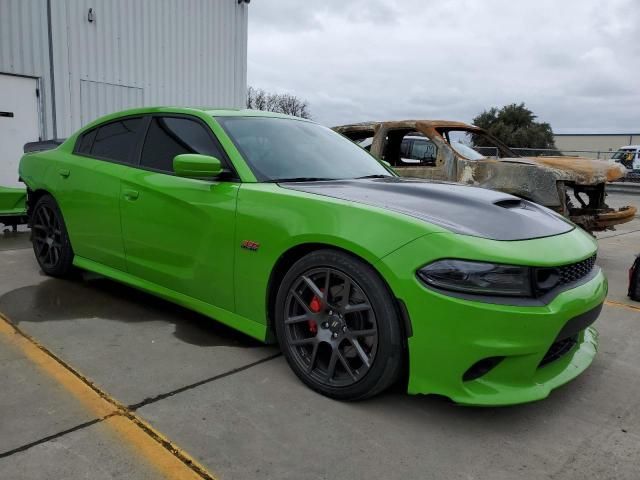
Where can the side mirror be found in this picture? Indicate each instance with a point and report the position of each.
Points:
(192, 165)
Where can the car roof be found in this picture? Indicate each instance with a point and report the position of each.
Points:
(214, 112)
(246, 112)
(630, 147)
(405, 124)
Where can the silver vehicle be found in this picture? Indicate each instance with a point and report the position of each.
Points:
(414, 150)
(628, 156)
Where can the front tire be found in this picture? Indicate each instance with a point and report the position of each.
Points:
(338, 326)
(49, 237)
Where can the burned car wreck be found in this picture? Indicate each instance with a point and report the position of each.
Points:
(458, 152)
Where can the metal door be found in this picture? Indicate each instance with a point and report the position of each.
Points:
(19, 123)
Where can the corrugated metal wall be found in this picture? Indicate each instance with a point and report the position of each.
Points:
(24, 48)
(99, 98)
(149, 52)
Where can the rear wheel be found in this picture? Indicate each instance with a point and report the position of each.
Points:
(49, 237)
(338, 327)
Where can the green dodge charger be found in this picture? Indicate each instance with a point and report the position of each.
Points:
(288, 232)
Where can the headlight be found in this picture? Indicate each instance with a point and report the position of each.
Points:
(478, 278)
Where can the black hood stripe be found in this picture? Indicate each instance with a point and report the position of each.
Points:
(465, 210)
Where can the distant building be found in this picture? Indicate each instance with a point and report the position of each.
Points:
(63, 63)
(594, 145)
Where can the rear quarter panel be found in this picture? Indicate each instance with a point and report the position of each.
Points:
(37, 170)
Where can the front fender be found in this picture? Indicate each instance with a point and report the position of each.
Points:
(275, 220)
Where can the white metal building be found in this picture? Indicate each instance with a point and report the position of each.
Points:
(594, 145)
(64, 63)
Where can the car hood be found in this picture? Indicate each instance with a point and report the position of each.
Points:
(462, 209)
(582, 170)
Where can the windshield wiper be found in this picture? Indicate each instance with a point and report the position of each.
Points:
(373, 176)
(299, 179)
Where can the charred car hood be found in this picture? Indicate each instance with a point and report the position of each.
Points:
(458, 208)
(582, 170)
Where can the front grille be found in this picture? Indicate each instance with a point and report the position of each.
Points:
(576, 271)
(547, 279)
(559, 349)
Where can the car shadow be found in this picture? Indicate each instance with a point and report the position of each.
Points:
(89, 296)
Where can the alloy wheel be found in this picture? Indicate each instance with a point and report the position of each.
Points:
(47, 236)
(330, 327)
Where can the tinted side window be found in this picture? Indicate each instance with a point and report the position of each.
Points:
(117, 140)
(85, 142)
(171, 136)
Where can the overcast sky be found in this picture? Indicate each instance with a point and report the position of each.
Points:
(575, 63)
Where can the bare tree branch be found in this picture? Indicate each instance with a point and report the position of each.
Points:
(258, 99)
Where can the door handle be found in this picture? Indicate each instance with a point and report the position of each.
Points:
(131, 194)
(64, 172)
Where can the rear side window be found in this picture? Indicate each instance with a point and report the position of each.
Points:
(117, 141)
(171, 136)
(86, 141)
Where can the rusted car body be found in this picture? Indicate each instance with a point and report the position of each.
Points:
(572, 186)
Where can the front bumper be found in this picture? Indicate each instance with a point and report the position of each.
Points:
(451, 335)
(496, 388)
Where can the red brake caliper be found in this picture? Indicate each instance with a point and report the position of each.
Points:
(315, 306)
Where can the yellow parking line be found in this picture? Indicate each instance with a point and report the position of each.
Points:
(611, 303)
(168, 459)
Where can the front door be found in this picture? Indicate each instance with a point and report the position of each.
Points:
(19, 123)
(179, 232)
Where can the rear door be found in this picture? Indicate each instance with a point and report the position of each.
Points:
(179, 232)
(88, 189)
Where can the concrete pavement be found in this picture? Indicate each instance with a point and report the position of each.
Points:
(232, 405)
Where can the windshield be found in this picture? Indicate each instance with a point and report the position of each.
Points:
(287, 149)
(476, 145)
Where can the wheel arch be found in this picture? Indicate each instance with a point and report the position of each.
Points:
(32, 198)
(295, 253)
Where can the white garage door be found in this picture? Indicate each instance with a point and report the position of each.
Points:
(18, 123)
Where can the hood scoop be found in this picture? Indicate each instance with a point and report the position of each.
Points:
(510, 203)
(461, 209)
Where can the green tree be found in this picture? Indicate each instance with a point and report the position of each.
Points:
(516, 126)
